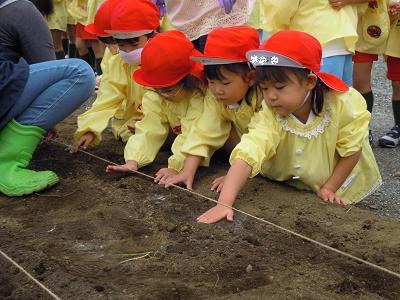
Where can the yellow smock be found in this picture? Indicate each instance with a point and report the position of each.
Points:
(315, 17)
(373, 27)
(119, 99)
(161, 115)
(257, 18)
(92, 7)
(166, 24)
(58, 19)
(305, 156)
(393, 42)
(212, 129)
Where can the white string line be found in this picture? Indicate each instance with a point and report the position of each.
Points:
(383, 269)
(30, 276)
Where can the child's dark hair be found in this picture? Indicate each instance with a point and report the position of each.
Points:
(213, 72)
(191, 83)
(134, 40)
(44, 6)
(280, 74)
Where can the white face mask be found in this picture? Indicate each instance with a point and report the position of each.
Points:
(133, 57)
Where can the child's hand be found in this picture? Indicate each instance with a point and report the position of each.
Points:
(394, 9)
(83, 142)
(218, 183)
(184, 177)
(130, 166)
(329, 195)
(216, 214)
(163, 174)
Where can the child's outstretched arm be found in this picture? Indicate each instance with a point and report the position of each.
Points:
(234, 181)
(342, 170)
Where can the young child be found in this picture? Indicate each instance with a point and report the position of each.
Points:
(335, 29)
(230, 101)
(311, 133)
(373, 30)
(57, 23)
(174, 102)
(392, 138)
(119, 97)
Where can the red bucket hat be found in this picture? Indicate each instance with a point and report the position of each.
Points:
(295, 49)
(166, 60)
(228, 45)
(133, 18)
(102, 18)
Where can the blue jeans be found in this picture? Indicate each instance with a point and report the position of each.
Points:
(53, 91)
(339, 65)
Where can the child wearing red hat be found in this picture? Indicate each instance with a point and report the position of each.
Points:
(311, 133)
(173, 103)
(131, 23)
(230, 101)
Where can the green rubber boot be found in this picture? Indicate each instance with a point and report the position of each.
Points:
(17, 144)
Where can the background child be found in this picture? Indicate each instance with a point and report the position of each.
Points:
(230, 101)
(175, 102)
(311, 133)
(392, 138)
(119, 97)
(57, 23)
(373, 30)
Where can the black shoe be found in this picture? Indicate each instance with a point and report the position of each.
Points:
(391, 139)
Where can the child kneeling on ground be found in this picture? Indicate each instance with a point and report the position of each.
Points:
(173, 103)
(311, 133)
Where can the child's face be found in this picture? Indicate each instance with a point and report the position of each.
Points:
(286, 98)
(130, 46)
(233, 88)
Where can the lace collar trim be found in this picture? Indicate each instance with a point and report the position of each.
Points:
(309, 131)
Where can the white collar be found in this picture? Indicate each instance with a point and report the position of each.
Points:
(310, 118)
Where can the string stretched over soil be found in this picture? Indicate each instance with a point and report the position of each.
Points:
(75, 237)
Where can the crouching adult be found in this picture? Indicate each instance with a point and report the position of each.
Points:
(36, 93)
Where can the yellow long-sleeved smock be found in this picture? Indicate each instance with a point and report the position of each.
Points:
(305, 156)
(58, 19)
(92, 7)
(257, 18)
(212, 129)
(393, 42)
(78, 9)
(373, 27)
(161, 115)
(119, 99)
(315, 17)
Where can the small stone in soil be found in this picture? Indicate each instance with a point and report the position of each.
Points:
(99, 288)
(249, 268)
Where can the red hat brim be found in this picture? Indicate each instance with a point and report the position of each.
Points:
(332, 81)
(92, 29)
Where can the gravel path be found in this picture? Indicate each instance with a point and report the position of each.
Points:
(386, 200)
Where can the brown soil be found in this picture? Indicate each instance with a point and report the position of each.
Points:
(74, 236)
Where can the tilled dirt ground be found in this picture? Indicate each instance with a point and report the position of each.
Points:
(76, 236)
